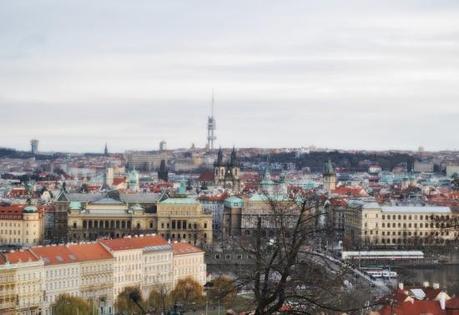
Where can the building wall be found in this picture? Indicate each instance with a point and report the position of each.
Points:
(7, 289)
(389, 226)
(26, 229)
(60, 279)
(96, 221)
(184, 222)
(29, 287)
(190, 265)
(157, 270)
(97, 282)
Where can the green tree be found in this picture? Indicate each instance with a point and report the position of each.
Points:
(71, 305)
(223, 291)
(130, 302)
(187, 292)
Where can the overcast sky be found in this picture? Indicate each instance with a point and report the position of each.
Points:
(337, 74)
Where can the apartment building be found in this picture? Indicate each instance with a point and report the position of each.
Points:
(61, 273)
(143, 262)
(32, 279)
(188, 262)
(28, 270)
(20, 224)
(96, 274)
(375, 225)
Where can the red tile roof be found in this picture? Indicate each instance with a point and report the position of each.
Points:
(184, 248)
(413, 308)
(55, 255)
(20, 256)
(11, 212)
(134, 242)
(207, 176)
(89, 251)
(452, 306)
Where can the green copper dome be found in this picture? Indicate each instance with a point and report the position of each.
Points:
(30, 209)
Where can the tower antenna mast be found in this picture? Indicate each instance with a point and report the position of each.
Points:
(211, 125)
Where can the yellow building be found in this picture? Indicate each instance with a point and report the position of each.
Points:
(183, 219)
(21, 225)
(188, 262)
(372, 224)
(96, 275)
(28, 281)
(7, 287)
(140, 261)
(107, 217)
(32, 279)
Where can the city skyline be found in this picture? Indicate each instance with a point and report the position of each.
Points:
(354, 76)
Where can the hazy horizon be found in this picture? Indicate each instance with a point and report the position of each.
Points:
(348, 75)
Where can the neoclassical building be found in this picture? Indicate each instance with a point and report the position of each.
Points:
(91, 216)
(371, 224)
(183, 219)
(227, 175)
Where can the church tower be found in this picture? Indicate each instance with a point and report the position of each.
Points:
(219, 168)
(329, 177)
(227, 175)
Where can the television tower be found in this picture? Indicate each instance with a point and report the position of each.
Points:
(211, 126)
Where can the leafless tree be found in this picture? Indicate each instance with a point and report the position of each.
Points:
(288, 272)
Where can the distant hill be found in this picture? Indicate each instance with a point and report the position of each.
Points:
(346, 160)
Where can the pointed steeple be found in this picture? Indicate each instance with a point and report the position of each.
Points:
(106, 149)
(219, 161)
(233, 159)
(328, 168)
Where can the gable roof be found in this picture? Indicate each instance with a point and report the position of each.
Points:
(185, 248)
(134, 242)
(55, 255)
(89, 251)
(20, 256)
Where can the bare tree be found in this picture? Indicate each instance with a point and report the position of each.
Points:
(288, 271)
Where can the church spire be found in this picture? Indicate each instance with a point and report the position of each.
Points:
(106, 149)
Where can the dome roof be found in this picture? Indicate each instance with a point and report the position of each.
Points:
(30, 209)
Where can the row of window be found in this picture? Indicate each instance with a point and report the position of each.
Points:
(182, 225)
(13, 224)
(109, 224)
(409, 225)
(409, 233)
(15, 232)
(415, 217)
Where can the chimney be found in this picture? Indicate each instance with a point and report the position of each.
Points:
(443, 300)
(400, 286)
(436, 285)
(426, 284)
